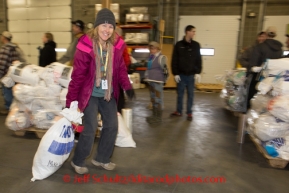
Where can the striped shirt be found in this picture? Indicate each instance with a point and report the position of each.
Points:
(8, 54)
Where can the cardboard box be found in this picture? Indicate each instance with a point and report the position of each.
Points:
(136, 38)
(114, 7)
(137, 17)
(138, 10)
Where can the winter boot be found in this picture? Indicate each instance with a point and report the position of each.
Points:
(158, 118)
(152, 118)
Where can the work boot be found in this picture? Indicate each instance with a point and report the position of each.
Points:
(152, 118)
(190, 117)
(176, 114)
(157, 118)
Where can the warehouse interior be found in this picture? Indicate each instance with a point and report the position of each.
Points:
(215, 152)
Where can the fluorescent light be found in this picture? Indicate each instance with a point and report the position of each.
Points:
(285, 53)
(207, 51)
(142, 50)
(60, 49)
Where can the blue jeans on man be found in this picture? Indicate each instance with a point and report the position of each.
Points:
(8, 96)
(186, 82)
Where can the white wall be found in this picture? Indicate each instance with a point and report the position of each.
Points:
(28, 20)
(218, 32)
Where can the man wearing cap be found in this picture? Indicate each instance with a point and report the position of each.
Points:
(186, 66)
(269, 49)
(8, 54)
(246, 54)
(121, 45)
(78, 31)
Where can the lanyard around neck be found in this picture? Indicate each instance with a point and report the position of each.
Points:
(106, 60)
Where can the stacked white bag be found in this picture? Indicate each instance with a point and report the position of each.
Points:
(268, 118)
(56, 144)
(39, 94)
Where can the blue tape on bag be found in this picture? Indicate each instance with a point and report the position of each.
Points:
(60, 148)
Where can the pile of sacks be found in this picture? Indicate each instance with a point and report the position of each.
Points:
(234, 92)
(268, 118)
(39, 94)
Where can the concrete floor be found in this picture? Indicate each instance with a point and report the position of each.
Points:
(205, 147)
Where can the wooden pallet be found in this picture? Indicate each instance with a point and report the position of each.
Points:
(209, 87)
(274, 162)
(38, 132)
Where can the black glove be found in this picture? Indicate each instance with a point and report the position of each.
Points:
(130, 93)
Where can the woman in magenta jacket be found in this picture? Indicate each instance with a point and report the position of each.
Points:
(98, 71)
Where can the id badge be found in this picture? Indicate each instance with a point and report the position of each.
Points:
(104, 84)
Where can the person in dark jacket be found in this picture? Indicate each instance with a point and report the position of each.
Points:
(119, 43)
(47, 53)
(186, 63)
(269, 49)
(245, 56)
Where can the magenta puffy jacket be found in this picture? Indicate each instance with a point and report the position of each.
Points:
(83, 74)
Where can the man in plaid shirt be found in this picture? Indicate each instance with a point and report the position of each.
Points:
(8, 54)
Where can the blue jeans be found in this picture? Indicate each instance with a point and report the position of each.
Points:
(108, 111)
(189, 83)
(8, 96)
(156, 93)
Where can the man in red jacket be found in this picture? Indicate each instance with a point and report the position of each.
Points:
(122, 45)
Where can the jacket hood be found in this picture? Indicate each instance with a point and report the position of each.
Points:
(85, 40)
(273, 44)
(51, 43)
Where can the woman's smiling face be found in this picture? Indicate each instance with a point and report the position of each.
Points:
(105, 31)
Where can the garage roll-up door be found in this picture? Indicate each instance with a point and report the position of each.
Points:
(28, 20)
(219, 33)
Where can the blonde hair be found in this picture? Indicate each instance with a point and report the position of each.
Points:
(49, 37)
(93, 34)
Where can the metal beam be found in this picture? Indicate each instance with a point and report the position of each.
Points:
(262, 8)
(242, 25)
(176, 21)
